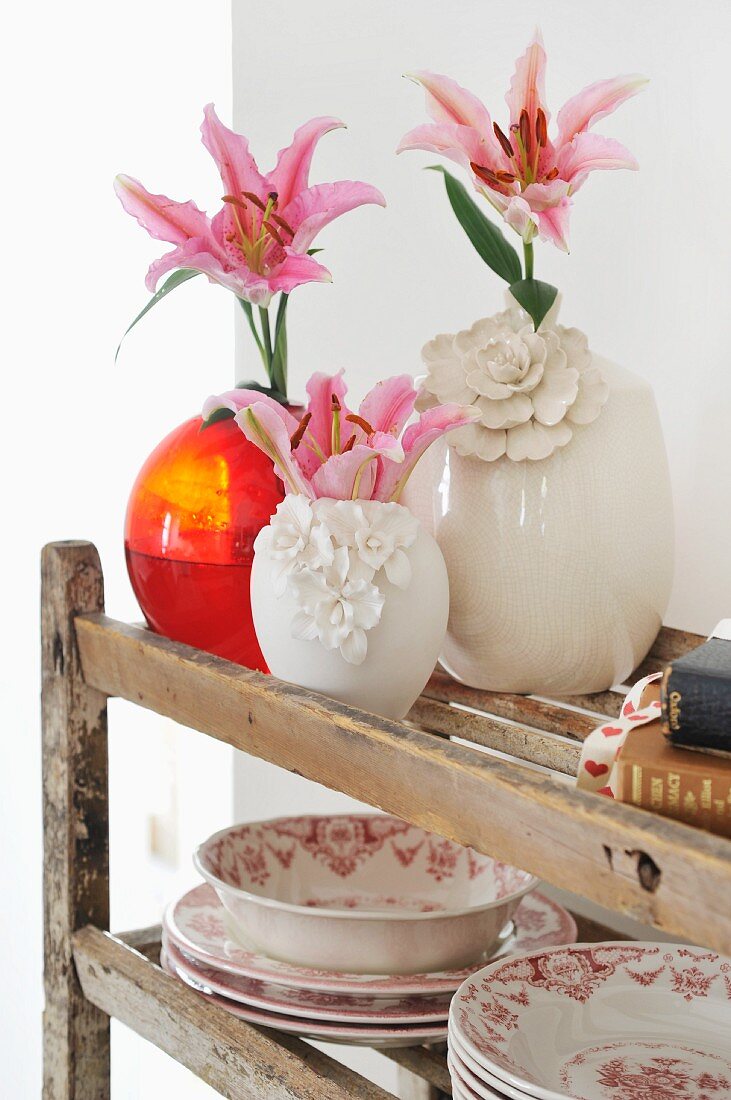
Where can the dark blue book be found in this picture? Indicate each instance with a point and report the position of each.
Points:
(696, 695)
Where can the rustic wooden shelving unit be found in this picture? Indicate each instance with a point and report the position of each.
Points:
(659, 871)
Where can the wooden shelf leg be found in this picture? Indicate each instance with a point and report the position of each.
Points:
(75, 825)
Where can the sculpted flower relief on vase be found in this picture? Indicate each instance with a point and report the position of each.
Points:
(530, 388)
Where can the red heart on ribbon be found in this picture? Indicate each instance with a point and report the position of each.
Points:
(606, 790)
(595, 769)
(611, 731)
(628, 708)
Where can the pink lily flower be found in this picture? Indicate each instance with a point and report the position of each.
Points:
(257, 244)
(333, 452)
(528, 177)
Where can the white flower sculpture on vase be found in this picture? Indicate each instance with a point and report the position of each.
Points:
(338, 580)
(530, 387)
(329, 554)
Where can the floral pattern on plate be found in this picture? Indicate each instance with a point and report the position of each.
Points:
(647, 1071)
(373, 1036)
(196, 925)
(514, 1017)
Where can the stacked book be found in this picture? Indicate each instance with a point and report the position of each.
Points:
(680, 764)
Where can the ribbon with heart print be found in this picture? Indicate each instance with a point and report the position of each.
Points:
(602, 747)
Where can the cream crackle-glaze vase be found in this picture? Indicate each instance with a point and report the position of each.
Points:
(554, 512)
(350, 598)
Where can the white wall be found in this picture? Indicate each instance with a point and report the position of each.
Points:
(89, 90)
(648, 278)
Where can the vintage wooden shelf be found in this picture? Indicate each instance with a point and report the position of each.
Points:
(432, 770)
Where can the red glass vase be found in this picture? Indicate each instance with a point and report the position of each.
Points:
(196, 507)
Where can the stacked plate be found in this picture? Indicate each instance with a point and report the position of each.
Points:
(349, 929)
(606, 1021)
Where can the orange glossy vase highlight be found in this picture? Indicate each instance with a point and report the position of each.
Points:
(196, 507)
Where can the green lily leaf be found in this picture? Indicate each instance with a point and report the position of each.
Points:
(248, 310)
(487, 239)
(535, 297)
(279, 358)
(228, 414)
(270, 391)
(219, 414)
(176, 279)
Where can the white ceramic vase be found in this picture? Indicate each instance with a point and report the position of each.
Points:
(559, 569)
(403, 646)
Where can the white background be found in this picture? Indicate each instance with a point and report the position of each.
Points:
(90, 90)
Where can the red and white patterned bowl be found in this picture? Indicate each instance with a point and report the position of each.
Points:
(360, 893)
(605, 1021)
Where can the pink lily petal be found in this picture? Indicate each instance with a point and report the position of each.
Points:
(320, 390)
(527, 88)
(595, 102)
(354, 472)
(431, 425)
(295, 270)
(163, 218)
(199, 254)
(587, 152)
(264, 426)
(389, 404)
(447, 101)
(520, 217)
(290, 176)
(235, 400)
(461, 144)
(316, 207)
(236, 165)
(551, 204)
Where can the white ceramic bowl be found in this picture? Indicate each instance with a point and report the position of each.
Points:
(360, 893)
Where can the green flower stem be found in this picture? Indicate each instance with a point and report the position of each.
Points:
(528, 253)
(266, 337)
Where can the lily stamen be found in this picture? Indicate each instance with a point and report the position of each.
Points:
(541, 128)
(335, 434)
(280, 221)
(355, 419)
(271, 230)
(349, 445)
(504, 141)
(296, 437)
(253, 198)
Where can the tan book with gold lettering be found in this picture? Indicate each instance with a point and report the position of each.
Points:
(692, 787)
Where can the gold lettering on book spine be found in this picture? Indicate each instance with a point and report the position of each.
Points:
(673, 792)
(657, 792)
(674, 701)
(637, 784)
(706, 794)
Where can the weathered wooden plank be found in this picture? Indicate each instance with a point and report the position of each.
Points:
(517, 741)
(430, 1065)
(539, 714)
(654, 869)
(75, 825)
(147, 941)
(237, 1059)
(605, 703)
